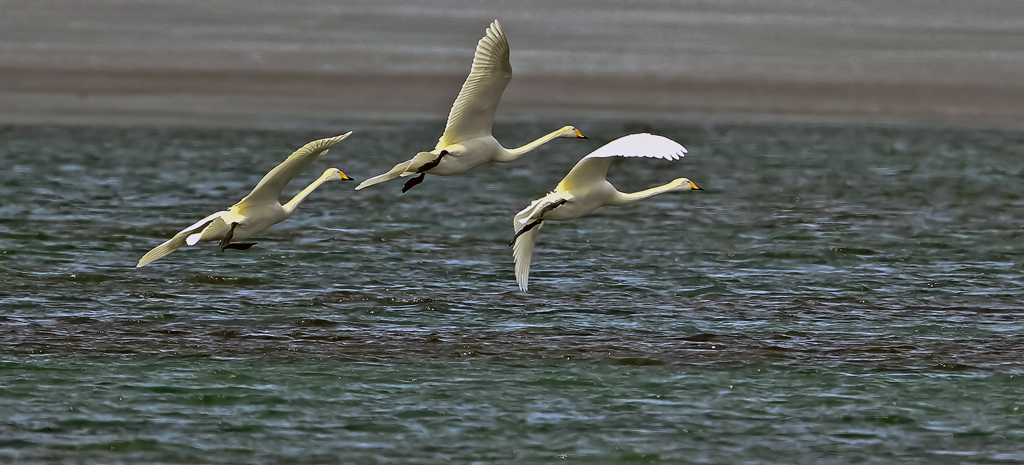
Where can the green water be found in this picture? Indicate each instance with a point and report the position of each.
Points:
(835, 295)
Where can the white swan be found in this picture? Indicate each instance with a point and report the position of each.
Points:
(467, 141)
(585, 189)
(260, 209)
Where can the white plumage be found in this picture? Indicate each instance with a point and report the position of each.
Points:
(472, 114)
(585, 189)
(260, 209)
(467, 141)
(640, 145)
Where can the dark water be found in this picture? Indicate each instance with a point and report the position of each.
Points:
(835, 295)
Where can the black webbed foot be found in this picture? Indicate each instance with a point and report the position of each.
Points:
(422, 170)
(413, 182)
(433, 164)
(226, 241)
(240, 246)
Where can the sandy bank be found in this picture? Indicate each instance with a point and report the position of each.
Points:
(303, 100)
(299, 63)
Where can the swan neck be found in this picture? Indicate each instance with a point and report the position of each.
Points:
(626, 198)
(517, 152)
(295, 201)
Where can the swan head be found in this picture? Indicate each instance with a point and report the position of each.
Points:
(571, 132)
(334, 174)
(684, 184)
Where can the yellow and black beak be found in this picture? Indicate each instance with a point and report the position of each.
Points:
(579, 135)
(344, 177)
(695, 187)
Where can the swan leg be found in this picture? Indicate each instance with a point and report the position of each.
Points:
(413, 182)
(433, 163)
(422, 170)
(524, 231)
(552, 206)
(540, 214)
(226, 241)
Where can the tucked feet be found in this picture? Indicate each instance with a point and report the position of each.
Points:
(423, 171)
(524, 230)
(226, 241)
(413, 182)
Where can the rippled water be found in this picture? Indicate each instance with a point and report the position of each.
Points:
(836, 294)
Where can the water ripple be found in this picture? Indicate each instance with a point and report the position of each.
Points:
(836, 292)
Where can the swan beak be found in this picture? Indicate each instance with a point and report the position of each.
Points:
(695, 187)
(579, 135)
(344, 177)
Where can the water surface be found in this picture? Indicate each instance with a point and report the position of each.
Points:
(836, 294)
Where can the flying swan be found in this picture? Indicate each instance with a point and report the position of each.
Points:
(260, 209)
(467, 141)
(585, 189)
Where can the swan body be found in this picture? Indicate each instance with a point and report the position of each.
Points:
(260, 209)
(585, 189)
(467, 141)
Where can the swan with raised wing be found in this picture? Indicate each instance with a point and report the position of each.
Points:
(259, 210)
(585, 189)
(467, 141)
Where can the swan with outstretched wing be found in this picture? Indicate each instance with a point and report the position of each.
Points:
(467, 141)
(585, 189)
(259, 210)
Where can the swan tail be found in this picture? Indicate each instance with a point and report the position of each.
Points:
(162, 250)
(394, 173)
(522, 252)
(188, 236)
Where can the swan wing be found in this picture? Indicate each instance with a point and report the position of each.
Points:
(539, 207)
(526, 224)
(593, 168)
(392, 174)
(268, 190)
(522, 253)
(473, 112)
(178, 240)
(525, 215)
(161, 250)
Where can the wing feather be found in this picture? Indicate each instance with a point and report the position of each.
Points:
(525, 215)
(162, 250)
(177, 241)
(522, 253)
(268, 190)
(522, 247)
(392, 174)
(473, 112)
(593, 168)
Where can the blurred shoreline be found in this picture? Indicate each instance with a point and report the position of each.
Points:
(311, 63)
(291, 100)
